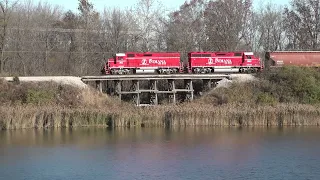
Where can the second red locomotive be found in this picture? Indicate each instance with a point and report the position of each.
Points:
(169, 63)
(223, 62)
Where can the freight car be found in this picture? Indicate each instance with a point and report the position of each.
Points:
(169, 63)
(296, 58)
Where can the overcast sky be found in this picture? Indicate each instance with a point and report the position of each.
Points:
(100, 4)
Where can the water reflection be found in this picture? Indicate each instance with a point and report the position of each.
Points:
(93, 153)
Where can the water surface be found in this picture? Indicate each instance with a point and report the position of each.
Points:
(192, 153)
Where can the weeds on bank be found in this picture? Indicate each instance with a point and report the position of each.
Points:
(285, 85)
(288, 96)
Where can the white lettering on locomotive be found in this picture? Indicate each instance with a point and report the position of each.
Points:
(210, 61)
(144, 62)
(224, 61)
(153, 62)
(159, 62)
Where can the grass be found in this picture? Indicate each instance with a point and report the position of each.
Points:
(21, 117)
(277, 99)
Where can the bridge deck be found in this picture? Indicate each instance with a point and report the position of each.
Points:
(154, 77)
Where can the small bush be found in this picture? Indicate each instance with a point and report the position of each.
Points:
(52, 93)
(39, 96)
(16, 80)
(266, 99)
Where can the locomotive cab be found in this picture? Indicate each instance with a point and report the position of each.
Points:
(248, 55)
(117, 64)
(251, 64)
(119, 58)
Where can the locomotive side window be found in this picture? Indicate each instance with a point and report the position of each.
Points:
(130, 55)
(147, 54)
(237, 54)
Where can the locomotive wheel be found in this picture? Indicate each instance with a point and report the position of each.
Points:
(170, 86)
(134, 87)
(188, 86)
(134, 99)
(152, 86)
(251, 71)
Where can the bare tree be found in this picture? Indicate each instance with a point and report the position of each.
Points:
(88, 18)
(116, 26)
(186, 28)
(69, 22)
(6, 8)
(43, 40)
(226, 21)
(147, 13)
(270, 28)
(302, 24)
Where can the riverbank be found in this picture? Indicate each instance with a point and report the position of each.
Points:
(21, 117)
(288, 97)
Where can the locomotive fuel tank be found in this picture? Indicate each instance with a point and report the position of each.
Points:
(149, 71)
(229, 70)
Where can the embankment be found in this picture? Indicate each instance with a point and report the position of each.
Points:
(287, 97)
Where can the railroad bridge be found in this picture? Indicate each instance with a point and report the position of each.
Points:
(150, 89)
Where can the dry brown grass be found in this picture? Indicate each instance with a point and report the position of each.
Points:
(242, 115)
(18, 117)
(71, 107)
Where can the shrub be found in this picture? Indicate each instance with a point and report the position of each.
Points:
(284, 85)
(39, 96)
(266, 99)
(296, 84)
(16, 80)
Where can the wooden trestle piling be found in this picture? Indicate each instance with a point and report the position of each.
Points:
(117, 85)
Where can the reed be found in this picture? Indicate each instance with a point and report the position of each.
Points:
(20, 117)
(236, 115)
(267, 102)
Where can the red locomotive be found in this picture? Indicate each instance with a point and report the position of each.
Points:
(132, 62)
(169, 63)
(223, 62)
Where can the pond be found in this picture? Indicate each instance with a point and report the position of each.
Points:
(152, 153)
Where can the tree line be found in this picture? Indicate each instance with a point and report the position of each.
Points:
(43, 39)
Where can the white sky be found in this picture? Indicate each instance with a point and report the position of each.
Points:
(100, 4)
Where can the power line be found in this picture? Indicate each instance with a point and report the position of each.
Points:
(127, 40)
(69, 30)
